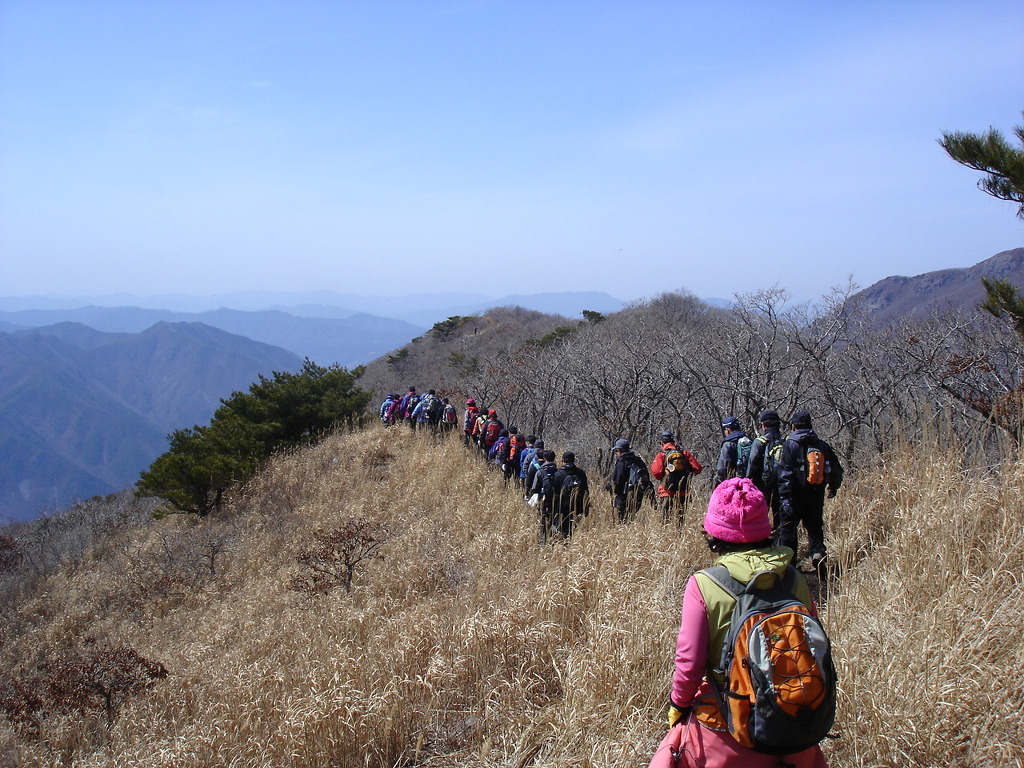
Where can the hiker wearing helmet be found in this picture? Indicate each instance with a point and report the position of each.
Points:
(630, 483)
(764, 456)
(672, 468)
(732, 458)
(808, 472)
(738, 531)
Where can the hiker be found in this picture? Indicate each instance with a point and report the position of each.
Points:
(735, 451)
(469, 421)
(428, 411)
(543, 490)
(672, 468)
(449, 418)
(386, 408)
(419, 413)
(630, 483)
(764, 456)
(808, 472)
(739, 532)
(408, 405)
(499, 450)
(510, 462)
(491, 432)
(525, 459)
(572, 496)
(530, 472)
(478, 430)
(497, 446)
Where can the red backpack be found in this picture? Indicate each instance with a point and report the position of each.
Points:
(491, 432)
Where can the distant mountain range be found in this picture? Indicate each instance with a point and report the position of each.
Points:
(347, 341)
(82, 411)
(897, 297)
(419, 310)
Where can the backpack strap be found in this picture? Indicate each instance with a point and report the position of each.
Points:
(720, 575)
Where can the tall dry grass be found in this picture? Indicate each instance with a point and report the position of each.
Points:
(470, 645)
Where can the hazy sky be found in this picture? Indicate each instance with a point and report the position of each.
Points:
(386, 147)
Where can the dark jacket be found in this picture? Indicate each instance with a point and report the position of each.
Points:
(792, 461)
(620, 473)
(755, 464)
(571, 498)
(544, 484)
(728, 456)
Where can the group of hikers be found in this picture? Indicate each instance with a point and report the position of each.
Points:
(751, 611)
(427, 411)
(794, 472)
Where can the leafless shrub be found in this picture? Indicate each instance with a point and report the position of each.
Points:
(22, 704)
(93, 682)
(99, 680)
(331, 561)
(10, 555)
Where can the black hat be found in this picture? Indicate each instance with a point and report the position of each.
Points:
(769, 417)
(569, 457)
(621, 445)
(800, 420)
(538, 444)
(730, 422)
(666, 437)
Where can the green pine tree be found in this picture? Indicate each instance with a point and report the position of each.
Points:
(279, 412)
(992, 154)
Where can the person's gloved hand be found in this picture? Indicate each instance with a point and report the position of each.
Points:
(677, 714)
(831, 493)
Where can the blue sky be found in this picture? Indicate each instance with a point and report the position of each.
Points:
(384, 147)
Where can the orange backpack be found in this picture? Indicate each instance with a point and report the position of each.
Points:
(815, 466)
(775, 682)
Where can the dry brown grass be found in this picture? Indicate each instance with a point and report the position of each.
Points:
(469, 645)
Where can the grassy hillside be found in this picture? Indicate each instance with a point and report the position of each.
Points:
(467, 644)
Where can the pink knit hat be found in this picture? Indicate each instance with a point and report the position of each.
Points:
(738, 513)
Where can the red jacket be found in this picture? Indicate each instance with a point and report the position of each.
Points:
(658, 467)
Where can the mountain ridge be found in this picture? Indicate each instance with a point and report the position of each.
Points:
(82, 411)
(898, 296)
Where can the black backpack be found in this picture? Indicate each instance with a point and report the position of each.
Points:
(547, 486)
(572, 494)
(639, 480)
